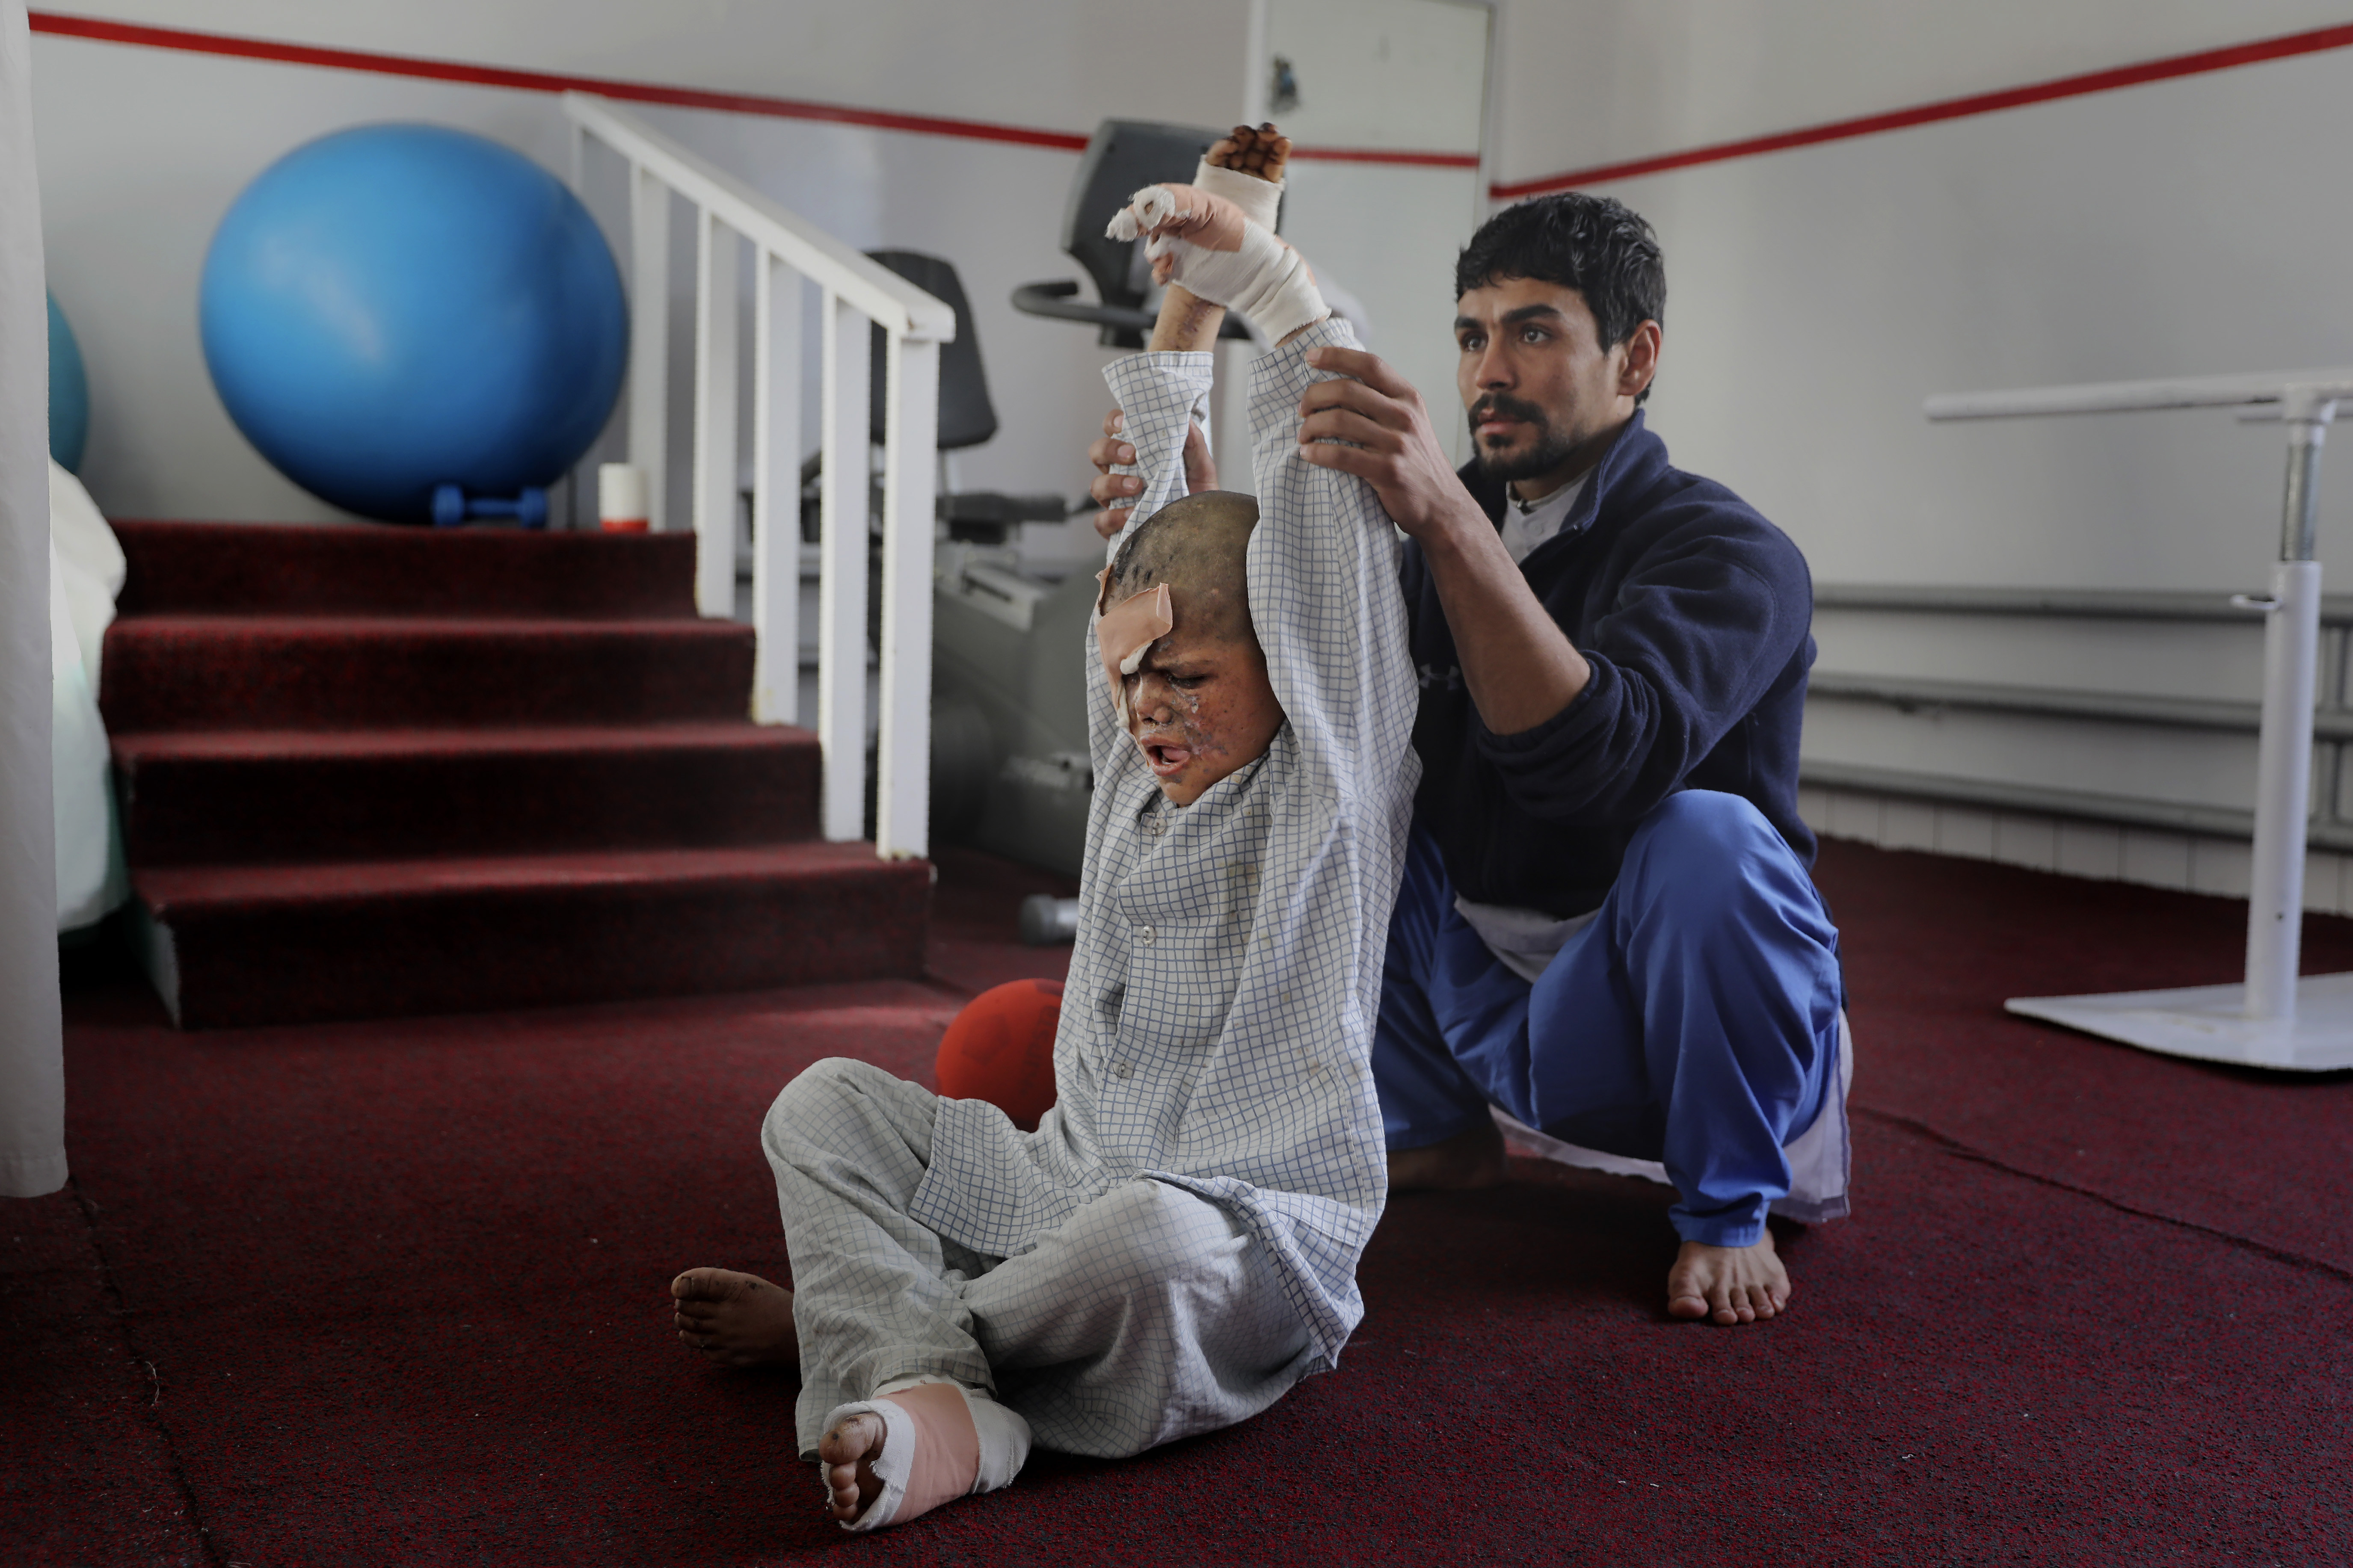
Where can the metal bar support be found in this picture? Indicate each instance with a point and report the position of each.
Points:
(649, 336)
(841, 583)
(910, 443)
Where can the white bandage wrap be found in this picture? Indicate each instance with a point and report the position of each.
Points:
(1004, 1447)
(1147, 210)
(1265, 280)
(1245, 267)
(1260, 200)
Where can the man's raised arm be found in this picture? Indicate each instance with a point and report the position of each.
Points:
(1520, 668)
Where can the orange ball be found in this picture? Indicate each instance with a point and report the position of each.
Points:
(1001, 1049)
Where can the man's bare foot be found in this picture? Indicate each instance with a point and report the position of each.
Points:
(735, 1319)
(1467, 1160)
(1728, 1284)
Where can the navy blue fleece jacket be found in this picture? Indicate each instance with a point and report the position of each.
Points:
(1695, 615)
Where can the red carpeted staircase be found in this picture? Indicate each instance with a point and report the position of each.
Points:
(370, 770)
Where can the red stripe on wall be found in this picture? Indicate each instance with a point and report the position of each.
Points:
(2315, 42)
(539, 81)
(188, 42)
(1381, 155)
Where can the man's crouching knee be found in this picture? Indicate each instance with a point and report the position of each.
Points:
(1703, 851)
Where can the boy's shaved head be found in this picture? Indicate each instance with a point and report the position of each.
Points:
(1199, 704)
(1199, 546)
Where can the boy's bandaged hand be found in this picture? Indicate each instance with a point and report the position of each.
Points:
(1216, 238)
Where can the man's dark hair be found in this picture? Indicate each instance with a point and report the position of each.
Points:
(1602, 248)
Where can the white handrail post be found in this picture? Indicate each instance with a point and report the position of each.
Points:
(2275, 1017)
(776, 492)
(842, 587)
(650, 333)
(2283, 765)
(858, 294)
(576, 142)
(911, 436)
(714, 417)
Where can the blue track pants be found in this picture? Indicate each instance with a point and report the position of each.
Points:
(1694, 1021)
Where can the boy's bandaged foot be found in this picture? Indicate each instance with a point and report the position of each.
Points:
(920, 1443)
(1216, 238)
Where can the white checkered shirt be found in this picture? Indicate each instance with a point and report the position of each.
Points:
(1217, 1027)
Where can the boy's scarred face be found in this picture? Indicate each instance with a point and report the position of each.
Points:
(1200, 707)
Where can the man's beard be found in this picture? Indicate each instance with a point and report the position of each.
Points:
(1550, 451)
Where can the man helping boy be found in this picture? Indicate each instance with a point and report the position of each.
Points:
(1176, 1243)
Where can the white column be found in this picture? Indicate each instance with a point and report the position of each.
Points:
(649, 336)
(841, 584)
(715, 327)
(910, 456)
(776, 492)
(32, 1061)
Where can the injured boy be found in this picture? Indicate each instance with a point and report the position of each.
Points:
(1175, 1244)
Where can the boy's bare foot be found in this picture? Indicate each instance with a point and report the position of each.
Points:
(1728, 1284)
(848, 1452)
(1467, 1160)
(735, 1319)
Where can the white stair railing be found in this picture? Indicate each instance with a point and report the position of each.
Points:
(786, 249)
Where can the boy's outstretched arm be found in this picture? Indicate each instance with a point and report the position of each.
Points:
(1163, 392)
(1324, 586)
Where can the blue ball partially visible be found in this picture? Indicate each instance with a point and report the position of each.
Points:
(395, 307)
(69, 393)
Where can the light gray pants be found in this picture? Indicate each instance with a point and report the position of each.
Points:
(1145, 1317)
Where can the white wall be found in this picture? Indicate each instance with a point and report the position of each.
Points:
(143, 150)
(1398, 76)
(1817, 295)
(1590, 82)
(1061, 64)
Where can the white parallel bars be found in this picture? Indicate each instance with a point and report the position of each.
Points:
(857, 294)
(2182, 1022)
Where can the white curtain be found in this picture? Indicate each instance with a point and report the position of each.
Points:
(32, 1063)
(86, 571)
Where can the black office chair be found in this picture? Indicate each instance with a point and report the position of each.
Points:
(1122, 157)
(966, 416)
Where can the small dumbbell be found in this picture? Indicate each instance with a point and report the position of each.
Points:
(452, 506)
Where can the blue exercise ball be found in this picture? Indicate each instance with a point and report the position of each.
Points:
(397, 308)
(69, 393)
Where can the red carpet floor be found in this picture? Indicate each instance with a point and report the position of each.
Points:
(372, 1293)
